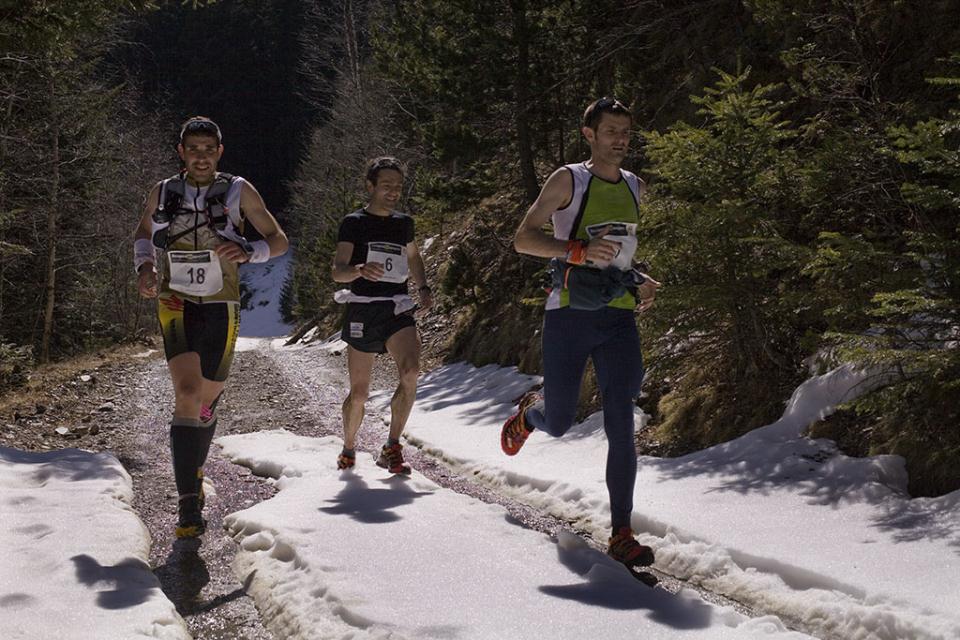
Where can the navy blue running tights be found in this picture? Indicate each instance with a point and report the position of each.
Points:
(608, 336)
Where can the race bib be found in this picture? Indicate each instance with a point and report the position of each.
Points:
(624, 233)
(196, 273)
(393, 257)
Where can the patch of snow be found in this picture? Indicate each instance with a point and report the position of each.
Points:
(75, 554)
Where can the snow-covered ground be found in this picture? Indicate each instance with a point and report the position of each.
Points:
(782, 523)
(362, 554)
(773, 519)
(261, 315)
(778, 521)
(74, 560)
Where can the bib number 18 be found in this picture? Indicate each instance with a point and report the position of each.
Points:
(195, 273)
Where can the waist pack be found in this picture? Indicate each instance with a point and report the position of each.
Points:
(590, 289)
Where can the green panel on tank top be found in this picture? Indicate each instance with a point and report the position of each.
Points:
(607, 202)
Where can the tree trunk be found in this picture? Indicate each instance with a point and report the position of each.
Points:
(352, 47)
(521, 85)
(52, 214)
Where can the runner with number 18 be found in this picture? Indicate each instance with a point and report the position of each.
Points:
(187, 250)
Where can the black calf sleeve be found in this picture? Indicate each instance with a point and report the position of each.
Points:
(186, 440)
(207, 432)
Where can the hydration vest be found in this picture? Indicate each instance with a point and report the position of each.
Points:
(216, 214)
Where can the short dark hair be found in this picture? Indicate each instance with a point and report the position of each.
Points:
(591, 117)
(200, 126)
(375, 166)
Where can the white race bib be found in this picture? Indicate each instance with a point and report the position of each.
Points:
(393, 257)
(196, 273)
(624, 233)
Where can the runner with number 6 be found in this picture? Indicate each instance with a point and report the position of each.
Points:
(377, 254)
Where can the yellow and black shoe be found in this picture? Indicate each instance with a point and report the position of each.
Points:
(190, 522)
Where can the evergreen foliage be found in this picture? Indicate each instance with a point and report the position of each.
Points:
(914, 335)
(776, 217)
(717, 226)
(74, 156)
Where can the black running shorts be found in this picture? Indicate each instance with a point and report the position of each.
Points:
(367, 326)
(208, 329)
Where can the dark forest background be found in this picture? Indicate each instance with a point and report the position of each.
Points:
(802, 159)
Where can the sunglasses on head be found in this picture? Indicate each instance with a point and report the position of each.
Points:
(205, 127)
(606, 102)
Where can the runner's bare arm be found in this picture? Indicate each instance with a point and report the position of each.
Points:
(343, 271)
(530, 238)
(263, 221)
(419, 273)
(146, 273)
(144, 230)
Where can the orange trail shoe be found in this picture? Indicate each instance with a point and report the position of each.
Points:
(623, 547)
(346, 462)
(515, 432)
(391, 459)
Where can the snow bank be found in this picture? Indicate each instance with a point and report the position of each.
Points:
(779, 521)
(75, 555)
(264, 281)
(362, 554)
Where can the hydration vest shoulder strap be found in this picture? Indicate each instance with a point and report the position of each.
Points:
(581, 182)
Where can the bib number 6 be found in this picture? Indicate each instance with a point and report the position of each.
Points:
(393, 257)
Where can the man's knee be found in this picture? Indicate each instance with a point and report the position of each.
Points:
(358, 394)
(188, 389)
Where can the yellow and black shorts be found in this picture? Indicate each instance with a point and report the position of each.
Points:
(208, 329)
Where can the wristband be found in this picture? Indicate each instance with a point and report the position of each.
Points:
(143, 253)
(576, 251)
(259, 251)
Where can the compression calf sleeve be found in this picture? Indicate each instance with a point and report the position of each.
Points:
(207, 431)
(186, 441)
(208, 425)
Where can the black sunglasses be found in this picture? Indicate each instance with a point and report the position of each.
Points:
(205, 127)
(606, 102)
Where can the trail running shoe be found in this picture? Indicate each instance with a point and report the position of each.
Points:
(623, 547)
(190, 523)
(391, 459)
(515, 432)
(345, 462)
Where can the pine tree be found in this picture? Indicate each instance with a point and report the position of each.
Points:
(912, 337)
(716, 231)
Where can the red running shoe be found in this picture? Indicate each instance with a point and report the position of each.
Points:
(391, 459)
(623, 547)
(345, 462)
(514, 432)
